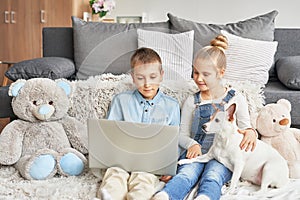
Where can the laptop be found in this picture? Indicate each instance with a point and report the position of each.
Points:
(133, 146)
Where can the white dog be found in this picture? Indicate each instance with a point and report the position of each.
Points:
(263, 166)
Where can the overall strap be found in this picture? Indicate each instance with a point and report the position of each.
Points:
(229, 95)
(197, 98)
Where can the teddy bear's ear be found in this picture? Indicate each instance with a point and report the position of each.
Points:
(65, 85)
(263, 111)
(15, 87)
(285, 103)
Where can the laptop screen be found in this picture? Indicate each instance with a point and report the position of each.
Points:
(133, 146)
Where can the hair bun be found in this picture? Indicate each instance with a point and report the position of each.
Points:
(220, 41)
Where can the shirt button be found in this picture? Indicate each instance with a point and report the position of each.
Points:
(152, 104)
(141, 102)
(146, 110)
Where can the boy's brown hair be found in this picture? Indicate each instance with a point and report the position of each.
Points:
(144, 56)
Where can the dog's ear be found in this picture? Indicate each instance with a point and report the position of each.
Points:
(230, 112)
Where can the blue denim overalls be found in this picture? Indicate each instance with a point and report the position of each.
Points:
(213, 175)
(202, 115)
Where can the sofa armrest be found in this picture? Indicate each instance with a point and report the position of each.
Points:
(5, 103)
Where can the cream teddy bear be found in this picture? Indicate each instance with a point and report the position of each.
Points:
(273, 123)
(44, 140)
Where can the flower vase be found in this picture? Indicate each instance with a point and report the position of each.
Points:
(101, 19)
(97, 18)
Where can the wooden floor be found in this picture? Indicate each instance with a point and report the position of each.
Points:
(3, 122)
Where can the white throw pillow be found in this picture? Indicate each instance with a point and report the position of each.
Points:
(249, 59)
(175, 50)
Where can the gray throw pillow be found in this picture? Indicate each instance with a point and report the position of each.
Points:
(259, 28)
(288, 71)
(107, 47)
(47, 67)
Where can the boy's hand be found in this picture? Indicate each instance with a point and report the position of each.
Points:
(194, 151)
(249, 140)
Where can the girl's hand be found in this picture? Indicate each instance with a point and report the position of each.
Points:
(165, 178)
(194, 151)
(249, 140)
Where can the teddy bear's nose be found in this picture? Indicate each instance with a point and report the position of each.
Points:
(44, 112)
(284, 121)
(44, 109)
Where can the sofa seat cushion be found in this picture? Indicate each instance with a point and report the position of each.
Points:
(288, 71)
(106, 47)
(276, 90)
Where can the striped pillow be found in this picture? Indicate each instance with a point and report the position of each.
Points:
(249, 59)
(175, 50)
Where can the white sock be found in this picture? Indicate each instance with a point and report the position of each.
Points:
(202, 197)
(161, 196)
(105, 195)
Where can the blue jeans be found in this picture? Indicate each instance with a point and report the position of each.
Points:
(213, 175)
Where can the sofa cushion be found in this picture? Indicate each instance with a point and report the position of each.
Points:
(249, 59)
(47, 67)
(106, 47)
(175, 50)
(288, 71)
(260, 28)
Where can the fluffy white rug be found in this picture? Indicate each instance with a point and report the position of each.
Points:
(84, 187)
(290, 192)
(13, 186)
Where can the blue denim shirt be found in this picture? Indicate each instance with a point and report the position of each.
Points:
(131, 106)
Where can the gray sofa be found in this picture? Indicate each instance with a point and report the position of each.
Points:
(288, 47)
(61, 42)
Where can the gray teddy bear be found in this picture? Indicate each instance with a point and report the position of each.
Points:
(44, 140)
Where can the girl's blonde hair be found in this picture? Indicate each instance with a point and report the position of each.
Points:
(214, 53)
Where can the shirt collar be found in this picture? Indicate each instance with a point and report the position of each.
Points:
(151, 102)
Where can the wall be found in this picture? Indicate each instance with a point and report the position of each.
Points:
(211, 11)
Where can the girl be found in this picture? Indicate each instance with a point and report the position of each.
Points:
(208, 69)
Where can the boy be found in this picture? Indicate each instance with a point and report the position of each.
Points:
(146, 104)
